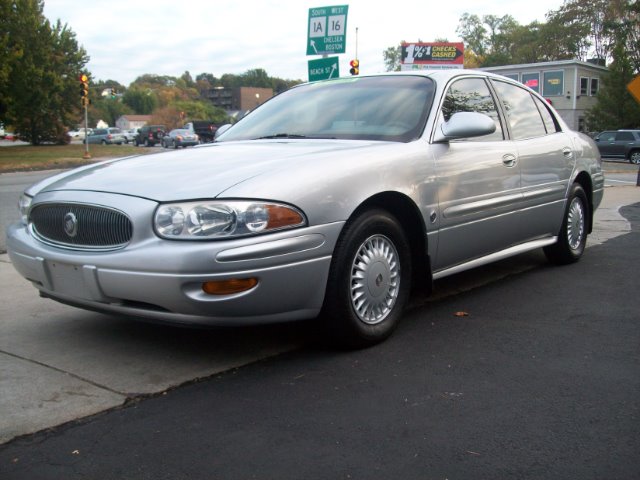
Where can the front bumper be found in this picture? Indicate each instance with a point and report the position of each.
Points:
(162, 280)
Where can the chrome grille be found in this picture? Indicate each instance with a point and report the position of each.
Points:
(80, 226)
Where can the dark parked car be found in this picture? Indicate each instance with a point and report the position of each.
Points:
(150, 135)
(334, 200)
(205, 130)
(179, 138)
(620, 144)
(106, 136)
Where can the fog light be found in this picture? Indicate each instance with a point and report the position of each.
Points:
(229, 287)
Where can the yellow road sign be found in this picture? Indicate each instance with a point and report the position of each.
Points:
(634, 88)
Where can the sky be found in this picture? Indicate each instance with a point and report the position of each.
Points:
(127, 38)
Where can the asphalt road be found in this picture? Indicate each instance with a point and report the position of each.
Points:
(537, 378)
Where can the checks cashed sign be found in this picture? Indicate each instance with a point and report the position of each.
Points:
(417, 56)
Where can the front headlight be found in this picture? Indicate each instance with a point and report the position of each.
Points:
(24, 204)
(224, 219)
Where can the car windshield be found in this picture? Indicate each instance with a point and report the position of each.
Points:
(392, 108)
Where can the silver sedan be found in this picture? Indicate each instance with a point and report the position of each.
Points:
(333, 200)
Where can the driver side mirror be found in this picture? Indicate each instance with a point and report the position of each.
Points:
(465, 125)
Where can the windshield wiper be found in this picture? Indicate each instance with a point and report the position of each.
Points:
(281, 135)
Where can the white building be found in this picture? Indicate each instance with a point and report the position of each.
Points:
(127, 122)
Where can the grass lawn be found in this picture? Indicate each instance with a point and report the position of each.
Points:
(45, 157)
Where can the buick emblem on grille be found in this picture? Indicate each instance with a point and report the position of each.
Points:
(70, 224)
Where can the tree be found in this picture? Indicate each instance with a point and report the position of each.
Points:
(392, 58)
(109, 110)
(141, 101)
(616, 108)
(474, 34)
(201, 110)
(39, 91)
(257, 78)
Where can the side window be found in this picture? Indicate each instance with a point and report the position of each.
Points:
(607, 136)
(522, 114)
(584, 86)
(472, 95)
(624, 137)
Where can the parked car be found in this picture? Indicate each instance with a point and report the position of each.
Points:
(79, 134)
(205, 130)
(333, 200)
(620, 144)
(106, 136)
(130, 135)
(180, 137)
(150, 135)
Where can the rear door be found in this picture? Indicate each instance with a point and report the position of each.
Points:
(623, 142)
(546, 158)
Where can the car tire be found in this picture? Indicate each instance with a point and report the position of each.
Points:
(146, 142)
(369, 282)
(572, 238)
(103, 142)
(634, 157)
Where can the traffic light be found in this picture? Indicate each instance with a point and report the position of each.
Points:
(113, 93)
(84, 89)
(355, 67)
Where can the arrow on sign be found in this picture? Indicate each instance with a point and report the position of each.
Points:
(333, 69)
(313, 45)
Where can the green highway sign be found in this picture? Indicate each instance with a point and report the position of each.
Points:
(323, 69)
(327, 30)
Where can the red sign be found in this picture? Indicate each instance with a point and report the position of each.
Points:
(428, 55)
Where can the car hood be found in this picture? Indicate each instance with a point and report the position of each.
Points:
(202, 172)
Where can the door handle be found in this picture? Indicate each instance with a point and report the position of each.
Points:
(567, 152)
(509, 160)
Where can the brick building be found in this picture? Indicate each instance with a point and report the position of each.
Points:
(240, 98)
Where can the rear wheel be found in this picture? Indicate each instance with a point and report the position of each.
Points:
(634, 157)
(369, 281)
(572, 238)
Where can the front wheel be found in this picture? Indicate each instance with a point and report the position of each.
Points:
(572, 238)
(634, 157)
(369, 281)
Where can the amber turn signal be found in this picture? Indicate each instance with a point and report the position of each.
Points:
(229, 287)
